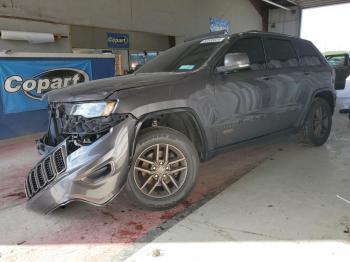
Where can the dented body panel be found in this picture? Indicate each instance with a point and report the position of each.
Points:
(78, 183)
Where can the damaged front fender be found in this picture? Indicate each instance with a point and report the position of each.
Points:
(94, 173)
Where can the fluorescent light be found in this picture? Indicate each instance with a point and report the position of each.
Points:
(278, 5)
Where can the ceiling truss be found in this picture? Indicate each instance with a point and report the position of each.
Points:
(289, 4)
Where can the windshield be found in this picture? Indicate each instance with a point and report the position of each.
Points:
(188, 56)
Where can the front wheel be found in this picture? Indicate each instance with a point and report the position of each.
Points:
(164, 168)
(318, 124)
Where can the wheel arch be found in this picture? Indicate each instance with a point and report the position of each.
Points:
(326, 95)
(316, 134)
(184, 120)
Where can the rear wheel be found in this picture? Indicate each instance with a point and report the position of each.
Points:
(318, 124)
(164, 168)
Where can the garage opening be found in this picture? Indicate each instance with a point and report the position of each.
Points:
(327, 27)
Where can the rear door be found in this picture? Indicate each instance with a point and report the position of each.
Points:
(316, 71)
(284, 83)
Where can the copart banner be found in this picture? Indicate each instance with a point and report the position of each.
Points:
(23, 82)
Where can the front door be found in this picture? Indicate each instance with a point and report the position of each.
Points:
(242, 98)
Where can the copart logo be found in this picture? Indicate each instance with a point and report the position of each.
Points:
(40, 84)
(121, 40)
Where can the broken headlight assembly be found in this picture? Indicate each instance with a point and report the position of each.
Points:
(94, 109)
(87, 118)
(81, 123)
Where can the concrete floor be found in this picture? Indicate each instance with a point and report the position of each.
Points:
(286, 192)
(295, 205)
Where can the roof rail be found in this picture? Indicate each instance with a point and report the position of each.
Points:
(203, 36)
(267, 33)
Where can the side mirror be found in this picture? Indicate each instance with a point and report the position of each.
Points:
(234, 61)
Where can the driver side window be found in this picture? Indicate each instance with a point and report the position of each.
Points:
(254, 49)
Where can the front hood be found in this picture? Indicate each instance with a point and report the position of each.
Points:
(103, 88)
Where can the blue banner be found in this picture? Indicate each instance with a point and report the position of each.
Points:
(25, 81)
(117, 40)
(216, 24)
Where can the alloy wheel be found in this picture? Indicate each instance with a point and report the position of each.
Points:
(160, 170)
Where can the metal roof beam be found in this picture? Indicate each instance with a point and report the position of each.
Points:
(292, 2)
(319, 3)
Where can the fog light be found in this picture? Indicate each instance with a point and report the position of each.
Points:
(101, 172)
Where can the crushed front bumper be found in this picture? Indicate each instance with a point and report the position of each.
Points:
(94, 174)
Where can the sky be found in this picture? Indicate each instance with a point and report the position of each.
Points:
(327, 27)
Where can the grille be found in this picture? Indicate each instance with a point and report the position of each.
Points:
(33, 181)
(59, 161)
(28, 187)
(45, 172)
(40, 176)
(48, 169)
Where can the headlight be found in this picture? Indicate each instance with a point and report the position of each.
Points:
(94, 109)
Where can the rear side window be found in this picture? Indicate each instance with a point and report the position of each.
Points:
(280, 53)
(307, 53)
(254, 49)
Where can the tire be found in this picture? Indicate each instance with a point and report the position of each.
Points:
(315, 131)
(147, 175)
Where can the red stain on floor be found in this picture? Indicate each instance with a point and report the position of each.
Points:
(16, 160)
(130, 233)
(125, 233)
(18, 195)
(187, 203)
(169, 214)
(135, 225)
(119, 222)
(139, 227)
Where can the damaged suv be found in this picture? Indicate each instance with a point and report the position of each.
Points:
(149, 131)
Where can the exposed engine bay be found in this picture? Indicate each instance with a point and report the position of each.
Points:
(76, 129)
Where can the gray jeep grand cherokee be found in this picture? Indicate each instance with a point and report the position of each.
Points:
(149, 131)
